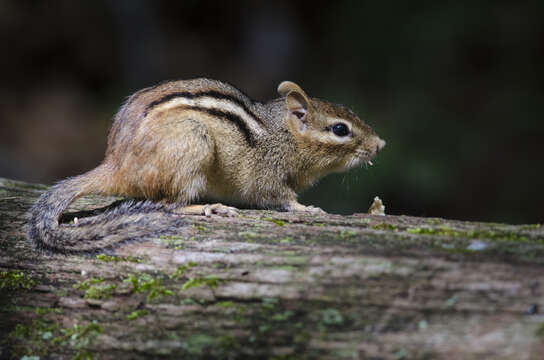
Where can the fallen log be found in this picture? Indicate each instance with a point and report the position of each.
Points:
(276, 285)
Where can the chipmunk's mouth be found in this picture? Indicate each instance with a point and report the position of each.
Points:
(364, 156)
(358, 159)
(366, 162)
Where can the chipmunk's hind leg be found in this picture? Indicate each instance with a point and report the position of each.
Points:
(187, 158)
(192, 155)
(199, 159)
(167, 159)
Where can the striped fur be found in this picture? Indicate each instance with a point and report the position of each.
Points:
(204, 94)
(225, 111)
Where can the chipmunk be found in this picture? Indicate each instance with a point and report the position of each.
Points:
(203, 140)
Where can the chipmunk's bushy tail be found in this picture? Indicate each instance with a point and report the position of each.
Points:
(132, 220)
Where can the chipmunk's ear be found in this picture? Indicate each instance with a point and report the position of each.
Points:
(285, 87)
(297, 104)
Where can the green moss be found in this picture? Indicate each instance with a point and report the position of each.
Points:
(331, 317)
(42, 337)
(225, 304)
(16, 280)
(174, 241)
(285, 240)
(434, 221)
(211, 281)
(273, 319)
(295, 260)
(116, 259)
(344, 234)
(146, 283)
(288, 253)
(275, 221)
(95, 289)
(80, 337)
(106, 258)
(472, 234)
(442, 231)
(43, 311)
(530, 227)
(385, 226)
(200, 228)
(249, 235)
(100, 292)
(228, 342)
(180, 271)
(86, 284)
(269, 303)
(283, 316)
(137, 314)
(34, 339)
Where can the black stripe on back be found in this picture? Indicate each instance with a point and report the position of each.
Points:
(233, 118)
(211, 93)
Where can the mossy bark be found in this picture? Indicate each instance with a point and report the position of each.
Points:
(277, 285)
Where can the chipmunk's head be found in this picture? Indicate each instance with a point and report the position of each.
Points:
(334, 138)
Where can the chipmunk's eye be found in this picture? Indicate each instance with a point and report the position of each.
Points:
(340, 129)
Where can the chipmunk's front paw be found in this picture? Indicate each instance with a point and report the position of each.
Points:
(296, 206)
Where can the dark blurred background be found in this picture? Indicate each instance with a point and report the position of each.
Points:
(456, 88)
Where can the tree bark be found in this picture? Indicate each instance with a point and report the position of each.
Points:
(276, 285)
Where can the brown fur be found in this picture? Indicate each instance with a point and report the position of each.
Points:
(202, 139)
